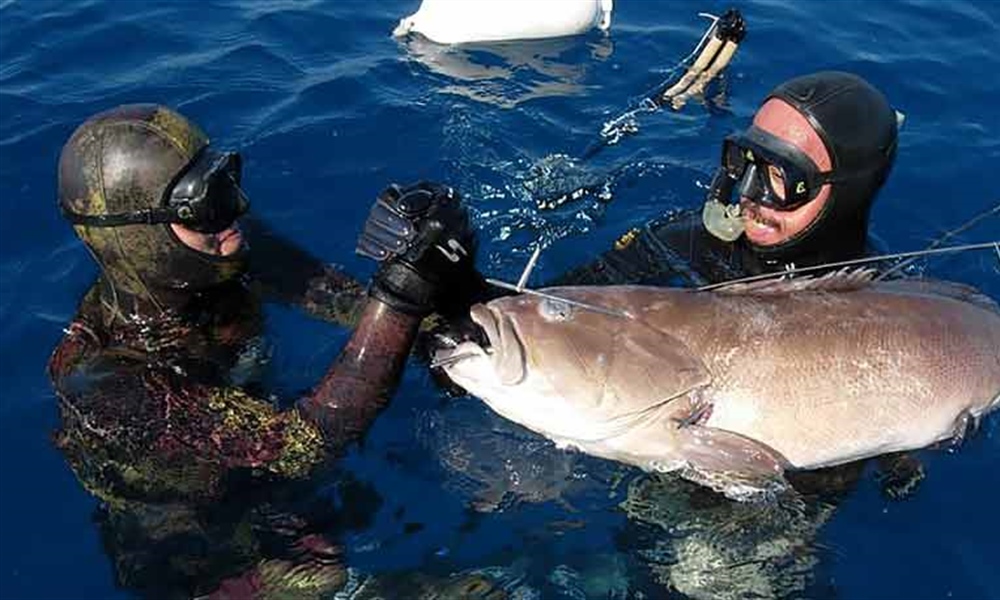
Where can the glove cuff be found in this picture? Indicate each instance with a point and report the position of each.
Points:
(403, 288)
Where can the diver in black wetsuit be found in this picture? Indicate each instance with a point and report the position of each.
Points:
(203, 480)
(802, 179)
(804, 175)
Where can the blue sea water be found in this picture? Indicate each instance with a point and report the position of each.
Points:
(327, 109)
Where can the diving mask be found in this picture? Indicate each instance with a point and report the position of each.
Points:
(771, 171)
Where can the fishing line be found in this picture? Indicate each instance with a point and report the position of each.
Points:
(528, 268)
(523, 279)
(948, 235)
(856, 261)
(521, 288)
(557, 298)
(710, 56)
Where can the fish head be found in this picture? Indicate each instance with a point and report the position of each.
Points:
(491, 361)
(567, 371)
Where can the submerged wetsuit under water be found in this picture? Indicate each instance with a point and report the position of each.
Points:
(199, 473)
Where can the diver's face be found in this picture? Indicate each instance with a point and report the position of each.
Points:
(767, 226)
(224, 243)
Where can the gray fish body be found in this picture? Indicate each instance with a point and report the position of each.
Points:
(738, 385)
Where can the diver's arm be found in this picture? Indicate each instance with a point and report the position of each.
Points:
(289, 274)
(421, 236)
(365, 374)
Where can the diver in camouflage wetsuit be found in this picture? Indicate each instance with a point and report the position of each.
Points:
(203, 481)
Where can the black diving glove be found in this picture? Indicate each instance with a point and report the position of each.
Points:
(422, 237)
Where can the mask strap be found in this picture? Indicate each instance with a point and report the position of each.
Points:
(152, 216)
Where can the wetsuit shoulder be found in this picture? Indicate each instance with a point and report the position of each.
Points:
(674, 250)
(287, 273)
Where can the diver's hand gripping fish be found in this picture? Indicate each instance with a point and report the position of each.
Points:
(734, 386)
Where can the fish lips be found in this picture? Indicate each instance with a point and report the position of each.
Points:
(503, 349)
(507, 356)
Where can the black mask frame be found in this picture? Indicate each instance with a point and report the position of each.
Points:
(746, 157)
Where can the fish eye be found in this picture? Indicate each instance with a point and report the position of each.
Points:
(555, 310)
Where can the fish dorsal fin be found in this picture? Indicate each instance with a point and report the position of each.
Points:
(843, 280)
(848, 279)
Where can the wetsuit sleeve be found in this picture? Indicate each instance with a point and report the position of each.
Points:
(289, 274)
(364, 376)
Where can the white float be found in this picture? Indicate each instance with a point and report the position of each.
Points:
(462, 21)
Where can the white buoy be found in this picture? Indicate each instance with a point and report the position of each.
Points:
(461, 21)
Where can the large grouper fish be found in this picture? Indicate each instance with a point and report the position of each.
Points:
(732, 387)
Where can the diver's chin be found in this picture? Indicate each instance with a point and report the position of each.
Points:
(230, 240)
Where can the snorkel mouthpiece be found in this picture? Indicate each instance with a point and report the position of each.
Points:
(724, 221)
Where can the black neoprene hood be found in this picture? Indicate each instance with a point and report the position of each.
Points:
(853, 119)
(859, 129)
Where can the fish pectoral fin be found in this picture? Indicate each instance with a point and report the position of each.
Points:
(735, 465)
(965, 424)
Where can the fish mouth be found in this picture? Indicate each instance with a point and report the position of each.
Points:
(448, 335)
(492, 336)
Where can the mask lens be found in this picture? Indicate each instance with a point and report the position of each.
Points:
(734, 161)
(208, 197)
(774, 177)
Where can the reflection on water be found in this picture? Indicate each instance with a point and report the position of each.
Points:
(494, 463)
(705, 546)
(507, 74)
